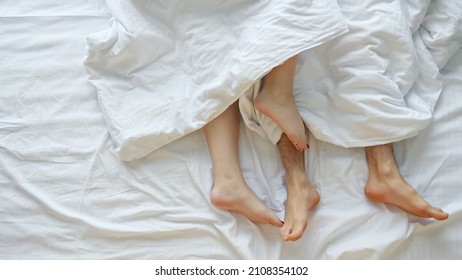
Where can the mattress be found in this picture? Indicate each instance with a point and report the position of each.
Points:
(66, 191)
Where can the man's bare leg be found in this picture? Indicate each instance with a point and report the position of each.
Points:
(276, 100)
(301, 195)
(386, 185)
(230, 191)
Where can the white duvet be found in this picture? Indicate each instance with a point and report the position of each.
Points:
(379, 82)
(165, 68)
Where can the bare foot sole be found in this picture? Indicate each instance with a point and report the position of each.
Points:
(238, 197)
(284, 112)
(300, 200)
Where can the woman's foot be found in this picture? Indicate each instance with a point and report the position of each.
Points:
(276, 101)
(281, 108)
(235, 195)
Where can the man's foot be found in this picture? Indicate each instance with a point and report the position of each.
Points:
(386, 185)
(301, 198)
(281, 108)
(301, 195)
(235, 195)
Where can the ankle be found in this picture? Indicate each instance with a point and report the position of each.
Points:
(381, 162)
(223, 176)
(298, 183)
(275, 92)
(382, 170)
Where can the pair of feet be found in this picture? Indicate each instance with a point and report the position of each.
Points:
(385, 186)
(235, 195)
(230, 192)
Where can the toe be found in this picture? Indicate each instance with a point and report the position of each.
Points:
(439, 214)
(297, 231)
(275, 221)
(285, 232)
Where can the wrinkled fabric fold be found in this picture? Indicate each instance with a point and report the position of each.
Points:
(379, 82)
(163, 69)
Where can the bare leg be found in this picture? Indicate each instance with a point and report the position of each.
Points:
(230, 191)
(386, 185)
(301, 195)
(276, 100)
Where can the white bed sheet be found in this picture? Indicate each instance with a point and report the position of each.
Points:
(65, 194)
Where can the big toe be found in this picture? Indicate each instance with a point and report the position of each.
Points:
(438, 214)
(298, 140)
(285, 231)
(297, 231)
(275, 221)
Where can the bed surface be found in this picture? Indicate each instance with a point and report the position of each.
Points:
(66, 194)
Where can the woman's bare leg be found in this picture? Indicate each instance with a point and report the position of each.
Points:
(276, 100)
(301, 195)
(230, 191)
(386, 185)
